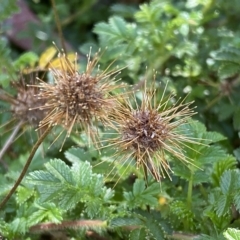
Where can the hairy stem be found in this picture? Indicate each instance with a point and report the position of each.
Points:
(29, 160)
(68, 224)
(189, 193)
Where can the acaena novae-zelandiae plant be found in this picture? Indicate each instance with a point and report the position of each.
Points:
(74, 100)
(147, 132)
(79, 100)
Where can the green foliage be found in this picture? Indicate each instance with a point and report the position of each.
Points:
(7, 8)
(142, 196)
(69, 186)
(232, 234)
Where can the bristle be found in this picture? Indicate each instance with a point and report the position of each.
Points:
(24, 107)
(78, 99)
(148, 131)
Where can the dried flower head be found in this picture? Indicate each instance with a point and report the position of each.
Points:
(20, 105)
(147, 131)
(24, 100)
(78, 99)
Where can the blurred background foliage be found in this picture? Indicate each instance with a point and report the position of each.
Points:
(194, 45)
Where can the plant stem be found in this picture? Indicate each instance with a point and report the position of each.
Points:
(29, 160)
(9, 141)
(189, 199)
(68, 224)
(189, 193)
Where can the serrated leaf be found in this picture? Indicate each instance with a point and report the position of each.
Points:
(142, 195)
(232, 234)
(214, 137)
(138, 187)
(156, 230)
(118, 24)
(71, 157)
(227, 56)
(46, 211)
(72, 185)
(180, 210)
(82, 173)
(23, 194)
(237, 153)
(42, 178)
(115, 31)
(219, 167)
(227, 70)
(236, 200)
(138, 234)
(48, 192)
(125, 221)
(211, 154)
(229, 181)
(60, 170)
(222, 205)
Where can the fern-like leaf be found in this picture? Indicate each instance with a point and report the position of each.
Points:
(69, 186)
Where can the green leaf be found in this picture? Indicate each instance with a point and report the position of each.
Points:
(236, 200)
(155, 229)
(237, 153)
(227, 70)
(138, 234)
(149, 13)
(60, 170)
(222, 205)
(115, 31)
(23, 194)
(141, 195)
(229, 162)
(230, 181)
(68, 186)
(28, 59)
(180, 210)
(138, 187)
(42, 178)
(228, 56)
(7, 7)
(232, 234)
(126, 221)
(47, 212)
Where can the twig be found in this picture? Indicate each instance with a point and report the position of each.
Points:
(68, 224)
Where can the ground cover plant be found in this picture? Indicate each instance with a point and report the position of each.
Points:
(126, 127)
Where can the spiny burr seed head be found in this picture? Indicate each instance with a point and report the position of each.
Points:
(149, 131)
(25, 101)
(77, 95)
(78, 99)
(24, 105)
(145, 130)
